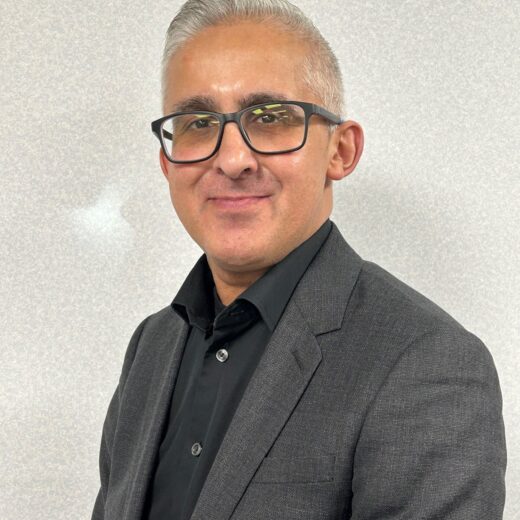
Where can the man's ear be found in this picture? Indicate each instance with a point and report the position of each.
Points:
(346, 149)
(164, 163)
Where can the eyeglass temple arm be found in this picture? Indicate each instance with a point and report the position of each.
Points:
(327, 115)
(156, 129)
(166, 134)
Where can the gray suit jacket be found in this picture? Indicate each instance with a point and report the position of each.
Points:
(370, 402)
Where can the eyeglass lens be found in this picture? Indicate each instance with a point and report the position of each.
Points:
(270, 128)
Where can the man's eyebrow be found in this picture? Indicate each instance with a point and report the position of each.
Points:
(194, 103)
(207, 103)
(257, 98)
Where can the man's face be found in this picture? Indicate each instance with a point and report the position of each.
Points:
(228, 64)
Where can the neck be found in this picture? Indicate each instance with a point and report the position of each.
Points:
(230, 285)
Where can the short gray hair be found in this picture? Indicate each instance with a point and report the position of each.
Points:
(321, 73)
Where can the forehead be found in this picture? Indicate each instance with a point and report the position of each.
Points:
(229, 63)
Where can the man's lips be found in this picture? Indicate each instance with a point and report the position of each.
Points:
(237, 197)
(237, 202)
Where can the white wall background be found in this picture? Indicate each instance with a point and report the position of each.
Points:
(90, 244)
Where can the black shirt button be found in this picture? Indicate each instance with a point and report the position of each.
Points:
(196, 449)
(222, 355)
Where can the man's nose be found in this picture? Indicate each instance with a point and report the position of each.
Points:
(234, 156)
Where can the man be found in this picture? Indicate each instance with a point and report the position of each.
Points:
(289, 378)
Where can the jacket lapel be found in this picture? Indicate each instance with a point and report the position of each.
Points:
(286, 367)
(290, 359)
(165, 367)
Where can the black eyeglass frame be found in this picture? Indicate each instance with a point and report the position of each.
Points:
(308, 108)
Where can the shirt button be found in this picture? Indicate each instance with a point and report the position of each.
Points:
(196, 449)
(222, 355)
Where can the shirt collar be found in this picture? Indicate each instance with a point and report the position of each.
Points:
(269, 294)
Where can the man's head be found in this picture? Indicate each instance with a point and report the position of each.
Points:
(320, 71)
(221, 56)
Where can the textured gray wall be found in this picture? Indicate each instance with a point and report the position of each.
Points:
(90, 243)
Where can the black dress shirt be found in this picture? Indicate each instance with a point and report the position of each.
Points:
(222, 350)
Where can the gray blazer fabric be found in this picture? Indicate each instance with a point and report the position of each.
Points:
(369, 403)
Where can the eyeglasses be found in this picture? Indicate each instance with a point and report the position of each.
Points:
(270, 128)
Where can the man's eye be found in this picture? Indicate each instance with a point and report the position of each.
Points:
(200, 123)
(269, 118)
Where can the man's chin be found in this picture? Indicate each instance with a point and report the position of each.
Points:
(246, 260)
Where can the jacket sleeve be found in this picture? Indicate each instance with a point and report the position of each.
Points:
(110, 425)
(432, 444)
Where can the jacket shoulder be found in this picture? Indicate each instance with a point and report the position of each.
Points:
(384, 289)
(391, 310)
